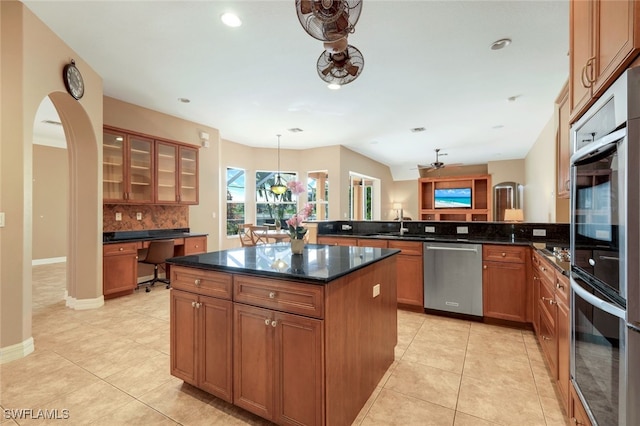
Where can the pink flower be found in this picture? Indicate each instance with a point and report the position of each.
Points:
(296, 187)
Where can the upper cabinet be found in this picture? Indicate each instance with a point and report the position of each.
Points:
(139, 170)
(604, 40)
(563, 142)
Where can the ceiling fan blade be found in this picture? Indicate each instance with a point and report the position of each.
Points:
(328, 69)
(306, 7)
(351, 69)
(342, 23)
(422, 166)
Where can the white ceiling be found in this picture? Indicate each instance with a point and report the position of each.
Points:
(427, 64)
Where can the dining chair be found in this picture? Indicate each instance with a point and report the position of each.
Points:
(245, 235)
(260, 234)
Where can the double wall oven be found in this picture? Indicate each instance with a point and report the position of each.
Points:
(605, 255)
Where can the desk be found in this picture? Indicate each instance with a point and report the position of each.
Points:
(279, 236)
(120, 260)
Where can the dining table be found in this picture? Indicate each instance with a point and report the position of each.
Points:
(278, 235)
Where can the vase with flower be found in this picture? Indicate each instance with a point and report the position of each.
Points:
(297, 232)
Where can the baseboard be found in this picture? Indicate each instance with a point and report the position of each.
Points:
(17, 351)
(35, 262)
(83, 304)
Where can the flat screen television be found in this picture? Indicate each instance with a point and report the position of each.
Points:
(453, 198)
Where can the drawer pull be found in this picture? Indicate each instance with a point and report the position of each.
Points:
(504, 254)
(535, 278)
(121, 248)
(576, 421)
(267, 321)
(543, 269)
(196, 246)
(193, 304)
(274, 323)
(559, 286)
(272, 295)
(546, 338)
(197, 282)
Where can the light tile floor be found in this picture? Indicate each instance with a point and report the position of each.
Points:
(110, 366)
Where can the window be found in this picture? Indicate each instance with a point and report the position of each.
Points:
(318, 194)
(269, 206)
(235, 199)
(364, 195)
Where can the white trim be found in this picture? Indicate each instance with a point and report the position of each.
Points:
(17, 351)
(82, 304)
(49, 260)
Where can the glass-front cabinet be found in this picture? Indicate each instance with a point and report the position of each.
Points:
(188, 175)
(166, 171)
(127, 170)
(139, 170)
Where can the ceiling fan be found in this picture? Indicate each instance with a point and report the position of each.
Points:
(436, 165)
(342, 67)
(328, 20)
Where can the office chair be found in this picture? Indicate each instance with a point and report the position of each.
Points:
(157, 253)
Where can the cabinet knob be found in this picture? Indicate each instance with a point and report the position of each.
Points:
(274, 323)
(546, 338)
(267, 321)
(559, 286)
(193, 304)
(272, 295)
(535, 278)
(504, 254)
(121, 248)
(576, 421)
(543, 269)
(197, 282)
(196, 246)
(484, 266)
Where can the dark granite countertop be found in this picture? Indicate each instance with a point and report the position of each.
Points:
(147, 235)
(319, 264)
(436, 239)
(547, 252)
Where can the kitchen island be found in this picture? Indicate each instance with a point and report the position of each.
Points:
(295, 339)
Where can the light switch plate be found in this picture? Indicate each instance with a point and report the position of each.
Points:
(429, 229)
(376, 290)
(539, 232)
(1, 219)
(118, 216)
(139, 216)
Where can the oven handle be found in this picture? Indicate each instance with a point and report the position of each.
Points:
(596, 301)
(596, 146)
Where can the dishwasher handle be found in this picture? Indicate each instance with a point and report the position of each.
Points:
(475, 250)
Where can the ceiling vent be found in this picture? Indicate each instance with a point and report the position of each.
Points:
(295, 130)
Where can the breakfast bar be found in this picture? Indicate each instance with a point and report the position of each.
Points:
(295, 339)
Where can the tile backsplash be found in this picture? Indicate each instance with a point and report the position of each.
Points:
(152, 217)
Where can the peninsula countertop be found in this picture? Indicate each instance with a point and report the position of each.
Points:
(319, 264)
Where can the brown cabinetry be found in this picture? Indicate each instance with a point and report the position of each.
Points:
(337, 241)
(140, 169)
(577, 413)
(201, 342)
(278, 365)
(504, 282)
(410, 271)
(604, 39)
(480, 198)
(563, 143)
(119, 268)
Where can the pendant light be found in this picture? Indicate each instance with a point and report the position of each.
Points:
(278, 187)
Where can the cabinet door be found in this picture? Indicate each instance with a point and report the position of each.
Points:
(617, 39)
(580, 48)
(536, 305)
(188, 175)
(504, 291)
(215, 366)
(577, 413)
(410, 282)
(299, 370)
(563, 336)
(140, 170)
(113, 166)
(337, 241)
(119, 268)
(253, 362)
(372, 242)
(166, 172)
(183, 336)
(563, 144)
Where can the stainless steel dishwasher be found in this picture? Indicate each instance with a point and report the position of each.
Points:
(453, 277)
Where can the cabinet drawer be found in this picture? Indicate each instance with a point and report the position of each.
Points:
(549, 343)
(562, 287)
(514, 254)
(548, 302)
(121, 248)
(372, 242)
(295, 298)
(547, 272)
(208, 283)
(194, 245)
(408, 247)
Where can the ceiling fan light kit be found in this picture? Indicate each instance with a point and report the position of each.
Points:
(331, 21)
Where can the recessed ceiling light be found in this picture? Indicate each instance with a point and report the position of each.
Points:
(500, 44)
(418, 129)
(184, 100)
(334, 86)
(230, 20)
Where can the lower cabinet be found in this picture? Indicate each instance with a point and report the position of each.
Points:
(201, 342)
(563, 336)
(278, 365)
(504, 282)
(337, 241)
(577, 413)
(119, 268)
(410, 273)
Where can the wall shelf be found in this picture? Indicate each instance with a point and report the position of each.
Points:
(480, 198)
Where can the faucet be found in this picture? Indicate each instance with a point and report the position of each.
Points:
(402, 228)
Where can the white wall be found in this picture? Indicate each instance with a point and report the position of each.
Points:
(540, 177)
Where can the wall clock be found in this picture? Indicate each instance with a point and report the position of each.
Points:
(73, 80)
